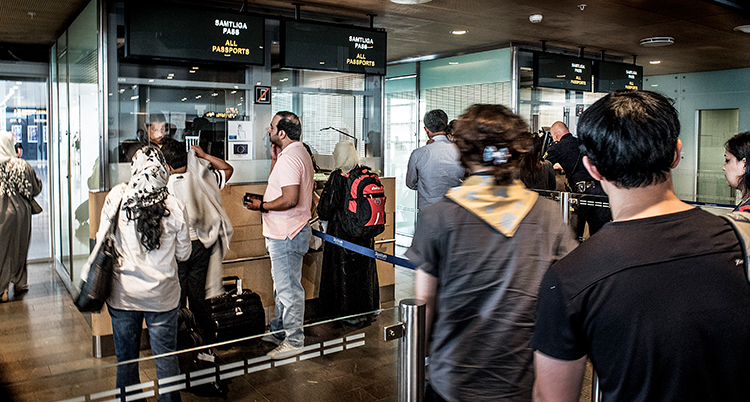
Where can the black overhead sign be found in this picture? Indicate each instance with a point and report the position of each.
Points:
(320, 46)
(163, 31)
(563, 72)
(611, 76)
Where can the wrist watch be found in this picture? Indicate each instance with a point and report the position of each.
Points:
(261, 209)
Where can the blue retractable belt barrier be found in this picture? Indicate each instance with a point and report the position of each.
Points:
(364, 250)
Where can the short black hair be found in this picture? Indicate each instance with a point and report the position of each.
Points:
(19, 146)
(290, 124)
(175, 153)
(436, 120)
(739, 146)
(630, 137)
(156, 118)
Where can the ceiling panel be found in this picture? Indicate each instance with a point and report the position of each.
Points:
(702, 29)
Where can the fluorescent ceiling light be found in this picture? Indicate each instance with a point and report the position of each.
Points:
(459, 32)
(655, 62)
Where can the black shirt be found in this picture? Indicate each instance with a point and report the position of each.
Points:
(568, 155)
(660, 305)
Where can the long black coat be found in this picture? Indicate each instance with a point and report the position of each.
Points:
(349, 281)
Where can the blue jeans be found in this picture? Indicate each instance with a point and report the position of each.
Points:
(162, 331)
(288, 293)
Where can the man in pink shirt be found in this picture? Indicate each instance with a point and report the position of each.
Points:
(286, 212)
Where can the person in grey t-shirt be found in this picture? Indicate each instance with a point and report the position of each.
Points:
(434, 168)
(481, 253)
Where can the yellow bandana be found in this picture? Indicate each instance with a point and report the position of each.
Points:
(502, 207)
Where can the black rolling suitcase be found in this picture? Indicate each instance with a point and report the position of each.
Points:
(237, 313)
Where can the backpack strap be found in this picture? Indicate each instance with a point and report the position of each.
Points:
(740, 222)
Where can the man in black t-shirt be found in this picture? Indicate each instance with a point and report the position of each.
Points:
(565, 152)
(657, 299)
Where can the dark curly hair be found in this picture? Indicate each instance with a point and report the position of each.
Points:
(496, 126)
(148, 224)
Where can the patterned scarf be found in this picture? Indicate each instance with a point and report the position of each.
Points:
(13, 180)
(148, 184)
(502, 207)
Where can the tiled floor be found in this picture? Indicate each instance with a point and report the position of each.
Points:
(45, 356)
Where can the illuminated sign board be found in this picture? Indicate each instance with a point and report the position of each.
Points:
(320, 46)
(612, 76)
(563, 72)
(162, 31)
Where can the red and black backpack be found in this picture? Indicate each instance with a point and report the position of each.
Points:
(364, 204)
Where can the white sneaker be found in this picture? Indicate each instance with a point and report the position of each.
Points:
(271, 339)
(283, 351)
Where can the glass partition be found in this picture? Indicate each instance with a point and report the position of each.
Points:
(715, 127)
(24, 113)
(340, 362)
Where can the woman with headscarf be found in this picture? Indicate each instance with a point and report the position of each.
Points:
(151, 235)
(349, 280)
(18, 187)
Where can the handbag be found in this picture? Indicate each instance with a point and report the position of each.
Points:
(96, 289)
(35, 207)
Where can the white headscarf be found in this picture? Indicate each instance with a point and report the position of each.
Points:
(345, 156)
(148, 184)
(7, 146)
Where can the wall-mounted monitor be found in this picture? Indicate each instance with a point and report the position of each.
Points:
(176, 32)
(321, 46)
(563, 72)
(611, 76)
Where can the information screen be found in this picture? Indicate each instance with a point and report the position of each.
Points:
(563, 72)
(162, 31)
(320, 46)
(611, 76)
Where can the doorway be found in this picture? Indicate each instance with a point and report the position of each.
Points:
(715, 127)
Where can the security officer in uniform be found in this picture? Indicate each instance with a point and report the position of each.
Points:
(565, 151)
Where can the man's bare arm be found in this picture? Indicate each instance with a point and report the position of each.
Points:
(557, 380)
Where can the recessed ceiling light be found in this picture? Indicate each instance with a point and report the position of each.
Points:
(655, 62)
(192, 71)
(743, 28)
(657, 41)
(453, 62)
(198, 97)
(195, 68)
(151, 80)
(322, 62)
(654, 85)
(535, 18)
(459, 32)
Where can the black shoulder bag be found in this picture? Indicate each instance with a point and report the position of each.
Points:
(96, 289)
